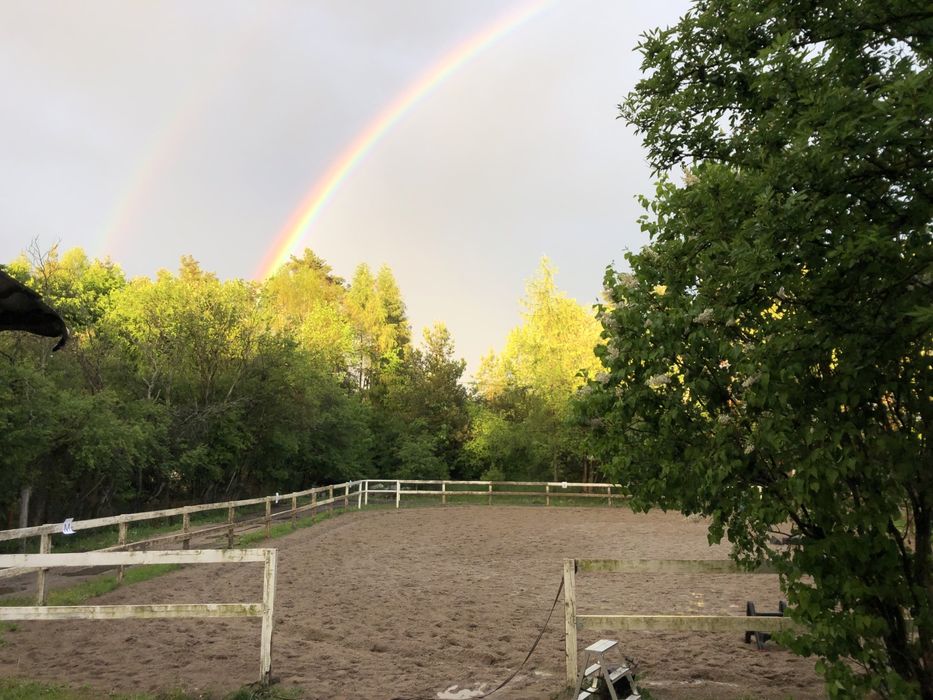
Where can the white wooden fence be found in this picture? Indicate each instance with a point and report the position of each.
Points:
(118, 612)
(667, 623)
(448, 490)
(315, 498)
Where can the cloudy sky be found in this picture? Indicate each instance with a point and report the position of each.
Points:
(150, 129)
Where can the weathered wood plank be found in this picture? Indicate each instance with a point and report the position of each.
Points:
(191, 556)
(667, 566)
(684, 623)
(570, 625)
(541, 494)
(268, 611)
(120, 612)
(45, 547)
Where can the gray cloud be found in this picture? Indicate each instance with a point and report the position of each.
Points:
(199, 127)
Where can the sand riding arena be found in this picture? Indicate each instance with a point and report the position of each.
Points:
(424, 603)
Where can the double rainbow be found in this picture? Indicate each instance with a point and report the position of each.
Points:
(318, 196)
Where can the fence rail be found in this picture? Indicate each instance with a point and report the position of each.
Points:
(547, 490)
(264, 610)
(320, 497)
(657, 623)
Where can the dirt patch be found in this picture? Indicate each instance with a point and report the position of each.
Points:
(417, 603)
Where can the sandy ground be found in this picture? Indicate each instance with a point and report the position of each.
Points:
(424, 604)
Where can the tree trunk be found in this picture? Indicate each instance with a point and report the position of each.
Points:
(24, 495)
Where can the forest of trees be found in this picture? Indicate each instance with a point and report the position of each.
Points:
(188, 388)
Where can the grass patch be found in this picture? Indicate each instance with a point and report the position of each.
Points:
(282, 529)
(16, 689)
(82, 592)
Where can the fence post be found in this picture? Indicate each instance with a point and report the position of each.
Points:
(547, 491)
(366, 494)
(268, 518)
(489, 502)
(609, 495)
(186, 529)
(330, 497)
(313, 502)
(294, 509)
(359, 495)
(444, 492)
(346, 495)
(570, 621)
(45, 546)
(398, 493)
(230, 518)
(121, 540)
(268, 606)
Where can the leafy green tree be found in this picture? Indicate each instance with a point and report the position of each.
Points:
(533, 381)
(71, 444)
(368, 320)
(396, 334)
(307, 301)
(422, 417)
(768, 359)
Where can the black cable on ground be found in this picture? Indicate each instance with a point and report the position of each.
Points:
(527, 656)
(533, 646)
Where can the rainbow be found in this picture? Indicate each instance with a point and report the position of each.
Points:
(322, 190)
(170, 139)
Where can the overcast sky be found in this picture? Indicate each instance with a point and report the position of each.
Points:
(146, 130)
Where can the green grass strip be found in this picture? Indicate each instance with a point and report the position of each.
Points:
(17, 689)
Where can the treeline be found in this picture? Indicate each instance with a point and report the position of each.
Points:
(187, 388)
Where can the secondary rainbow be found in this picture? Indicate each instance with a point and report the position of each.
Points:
(322, 191)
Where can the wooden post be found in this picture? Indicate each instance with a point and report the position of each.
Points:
(346, 496)
(313, 502)
(366, 493)
(294, 509)
(230, 517)
(330, 497)
(570, 621)
(398, 494)
(186, 529)
(444, 492)
(45, 546)
(268, 517)
(268, 609)
(547, 497)
(489, 502)
(359, 495)
(121, 540)
(609, 495)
